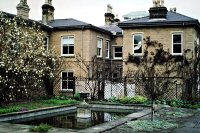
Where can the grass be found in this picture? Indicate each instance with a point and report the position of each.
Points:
(42, 128)
(148, 125)
(20, 107)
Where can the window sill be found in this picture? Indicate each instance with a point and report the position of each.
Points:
(99, 57)
(137, 55)
(67, 90)
(118, 59)
(177, 54)
(68, 56)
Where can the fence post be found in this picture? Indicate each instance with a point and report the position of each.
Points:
(125, 86)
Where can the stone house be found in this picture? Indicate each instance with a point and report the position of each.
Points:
(175, 31)
(81, 44)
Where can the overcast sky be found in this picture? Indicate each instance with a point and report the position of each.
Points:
(92, 11)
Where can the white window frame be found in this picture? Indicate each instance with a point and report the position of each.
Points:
(62, 45)
(177, 33)
(137, 54)
(118, 58)
(47, 43)
(66, 89)
(99, 47)
(107, 49)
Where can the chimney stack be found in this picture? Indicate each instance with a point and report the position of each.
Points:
(109, 16)
(47, 11)
(158, 10)
(23, 9)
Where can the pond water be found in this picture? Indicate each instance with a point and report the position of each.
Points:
(75, 119)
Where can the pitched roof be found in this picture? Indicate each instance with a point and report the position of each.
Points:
(114, 28)
(70, 23)
(63, 24)
(173, 19)
(29, 21)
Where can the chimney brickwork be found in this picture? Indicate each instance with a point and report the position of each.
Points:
(109, 16)
(23, 9)
(158, 10)
(47, 11)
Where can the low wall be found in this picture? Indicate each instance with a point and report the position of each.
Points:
(35, 113)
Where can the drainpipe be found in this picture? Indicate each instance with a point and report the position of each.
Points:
(82, 51)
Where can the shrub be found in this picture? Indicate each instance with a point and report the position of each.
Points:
(60, 102)
(113, 99)
(138, 100)
(77, 96)
(125, 100)
(176, 103)
(42, 128)
(133, 100)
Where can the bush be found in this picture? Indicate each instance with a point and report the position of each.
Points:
(113, 99)
(133, 100)
(62, 97)
(138, 100)
(125, 100)
(60, 102)
(77, 96)
(162, 101)
(42, 128)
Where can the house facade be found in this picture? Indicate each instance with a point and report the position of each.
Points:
(175, 31)
(89, 51)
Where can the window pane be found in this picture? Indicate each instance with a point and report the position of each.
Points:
(64, 74)
(70, 85)
(177, 48)
(176, 38)
(107, 53)
(99, 44)
(99, 51)
(137, 48)
(137, 39)
(64, 85)
(68, 40)
(70, 74)
(71, 49)
(118, 54)
(107, 45)
(65, 50)
(118, 49)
